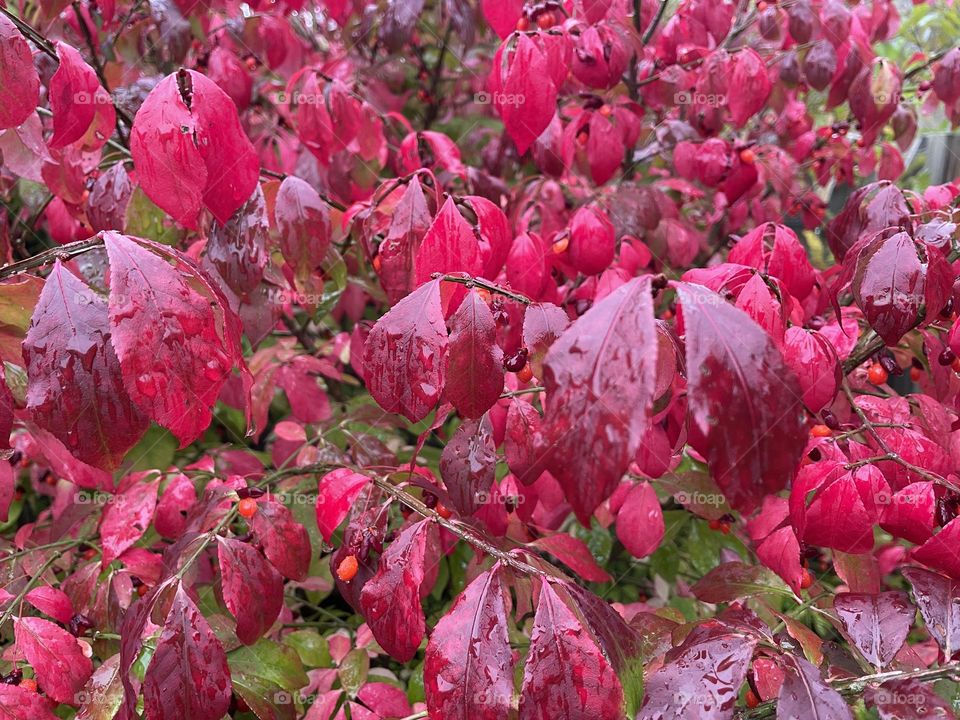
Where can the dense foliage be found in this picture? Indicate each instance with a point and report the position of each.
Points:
(478, 360)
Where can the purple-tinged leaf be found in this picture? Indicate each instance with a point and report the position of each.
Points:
(805, 695)
(285, 541)
(524, 445)
(252, 588)
(57, 658)
(938, 598)
(404, 357)
(475, 360)
(908, 700)
(468, 465)
(600, 377)
(745, 403)
(468, 669)
(877, 624)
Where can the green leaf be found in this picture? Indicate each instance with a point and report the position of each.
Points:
(734, 580)
(311, 646)
(353, 671)
(269, 661)
(267, 700)
(146, 220)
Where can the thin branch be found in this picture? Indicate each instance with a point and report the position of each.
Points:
(470, 282)
(36, 38)
(48, 257)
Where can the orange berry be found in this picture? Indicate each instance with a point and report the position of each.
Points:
(546, 20)
(761, 6)
(876, 374)
(667, 314)
(605, 110)
(484, 295)
(821, 431)
(560, 246)
(29, 684)
(347, 569)
(523, 24)
(748, 156)
(142, 590)
(915, 374)
(247, 507)
(725, 528)
(751, 699)
(443, 511)
(807, 580)
(956, 364)
(377, 264)
(582, 138)
(525, 374)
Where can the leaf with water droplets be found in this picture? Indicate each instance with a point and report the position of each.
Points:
(303, 221)
(252, 589)
(78, 101)
(877, 624)
(239, 248)
(475, 360)
(19, 82)
(567, 675)
(285, 541)
(188, 675)
(404, 356)
(391, 598)
(468, 465)
(468, 668)
(176, 346)
(128, 515)
(746, 411)
(938, 598)
(702, 677)
(805, 695)
(600, 377)
(75, 386)
(56, 656)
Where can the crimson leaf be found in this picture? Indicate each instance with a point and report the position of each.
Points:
(475, 360)
(252, 588)
(877, 624)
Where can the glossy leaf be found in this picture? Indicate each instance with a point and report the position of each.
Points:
(252, 588)
(804, 694)
(877, 624)
(474, 360)
(19, 83)
(56, 656)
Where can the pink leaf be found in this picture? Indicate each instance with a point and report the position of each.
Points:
(573, 553)
(53, 602)
(252, 589)
(475, 360)
(391, 598)
(177, 498)
(404, 357)
(744, 402)
(175, 345)
(524, 93)
(468, 465)
(468, 669)
(749, 85)
(17, 703)
(190, 150)
(600, 378)
(188, 676)
(76, 388)
(566, 674)
(128, 516)
(19, 82)
(640, 524)
(450, 245)
(56, 656)
(337, 492)
(76, 98)
(940, 551)
(303, 222)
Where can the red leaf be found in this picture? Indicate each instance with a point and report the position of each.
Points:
(17, 703)
(188, 676)
(640, 524)
(475, 360)
(285, 541)
(76, 99)
(940, 551)
(468, 465)
(566, 674)
(52, 602)
(76, 388)
(19, 82)
(543, 323)
(252, 589)
(190, 150)
(449, 246)
(502, 16)
(573, 553)
(7, 489)
(877, 624)
(177, 498)
(175, 352)
(744, 402)
(524, 445)
(844, 508)
(749, 85)
(336, 494)
(468, 668)
(701, 678)
(936, 596)
(600, 377)
(523, 92)
(908, 700)
(56, 656)
(780, 551)
(128, 515)
(814, 360)
(805, 695)
(303, 221)
(391, 598)
(911, 513)
(404, 357)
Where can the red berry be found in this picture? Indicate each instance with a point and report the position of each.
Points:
(443, 511)
(748, 156)
(916, 374)
(751, 699)
(561, 244)
(821, 431)
(525, 374)
(546, 20)
(807, 580)
(877, 375)
(377, 263)
(347, 569)
(247, 507)
(523, 24)
(29, 684)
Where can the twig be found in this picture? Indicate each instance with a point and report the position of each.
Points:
(470, 282)
(98, 65)
(47, 257)
(656, 21)
(283, 176)
(39, 40)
